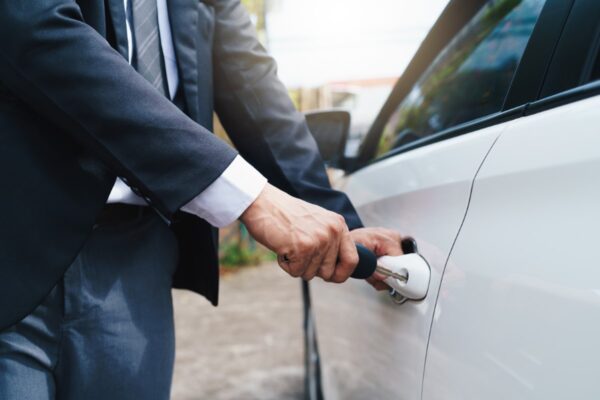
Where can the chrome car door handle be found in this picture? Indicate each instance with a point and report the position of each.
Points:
(408, 275)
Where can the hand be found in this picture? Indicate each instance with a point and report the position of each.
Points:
(309, 241)
(382, 242)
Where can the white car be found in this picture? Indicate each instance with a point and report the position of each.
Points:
(487, 154)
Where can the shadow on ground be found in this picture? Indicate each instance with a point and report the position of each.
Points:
(250, 347)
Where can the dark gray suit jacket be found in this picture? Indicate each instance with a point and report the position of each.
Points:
(74, 115)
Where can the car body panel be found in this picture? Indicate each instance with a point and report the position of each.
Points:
(370, 347)
(516, 315)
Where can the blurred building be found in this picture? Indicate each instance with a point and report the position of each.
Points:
(362, 97)
(345, 53)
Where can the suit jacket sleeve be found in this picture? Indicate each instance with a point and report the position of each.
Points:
(63, 69)
(261, 120)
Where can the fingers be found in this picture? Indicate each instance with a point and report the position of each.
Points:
(389, 242)
(348, 259)
(333, 256)
(295, 262)
(316, 251)
(377, 281)
(312, 266)
(381, 241)
(378, 285)
(324, 264)
(316, 241)
(327, 268)
(330, 261)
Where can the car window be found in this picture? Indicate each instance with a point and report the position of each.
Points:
(574, 60)
(470, 77)
(596, 70)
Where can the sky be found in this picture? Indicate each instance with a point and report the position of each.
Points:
(320, 41)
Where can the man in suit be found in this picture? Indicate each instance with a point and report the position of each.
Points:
(113, 185)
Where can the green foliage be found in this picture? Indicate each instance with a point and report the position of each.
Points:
(239, 249)
(234, 256)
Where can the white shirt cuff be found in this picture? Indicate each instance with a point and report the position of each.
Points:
(226, 199)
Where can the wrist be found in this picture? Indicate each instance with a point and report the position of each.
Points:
(258, 206)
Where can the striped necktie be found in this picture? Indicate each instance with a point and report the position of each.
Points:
(148, 56)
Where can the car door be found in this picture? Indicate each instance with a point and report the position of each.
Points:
(428, 152)
(516, 317)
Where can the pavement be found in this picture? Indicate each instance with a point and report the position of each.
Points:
(249, 347)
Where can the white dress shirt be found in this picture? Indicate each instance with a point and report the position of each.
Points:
(231, 194)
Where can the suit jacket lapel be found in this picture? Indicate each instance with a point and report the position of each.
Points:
(117, 13)
(183, 16)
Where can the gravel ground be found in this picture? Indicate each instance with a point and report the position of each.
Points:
(250, 347)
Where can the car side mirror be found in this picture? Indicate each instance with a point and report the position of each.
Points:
(330, 130)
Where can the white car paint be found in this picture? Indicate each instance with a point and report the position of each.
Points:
(424, 192)
(517, 316)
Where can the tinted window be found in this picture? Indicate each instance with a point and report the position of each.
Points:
(470, 77)
(596, 70)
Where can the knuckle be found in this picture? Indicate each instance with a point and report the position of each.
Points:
(333, 229)
(317, 242)
(322, 236)
(306, 244)
(393, 234)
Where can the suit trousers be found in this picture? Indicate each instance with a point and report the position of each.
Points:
(106, 329)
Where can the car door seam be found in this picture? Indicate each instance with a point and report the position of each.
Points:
(439, 288)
